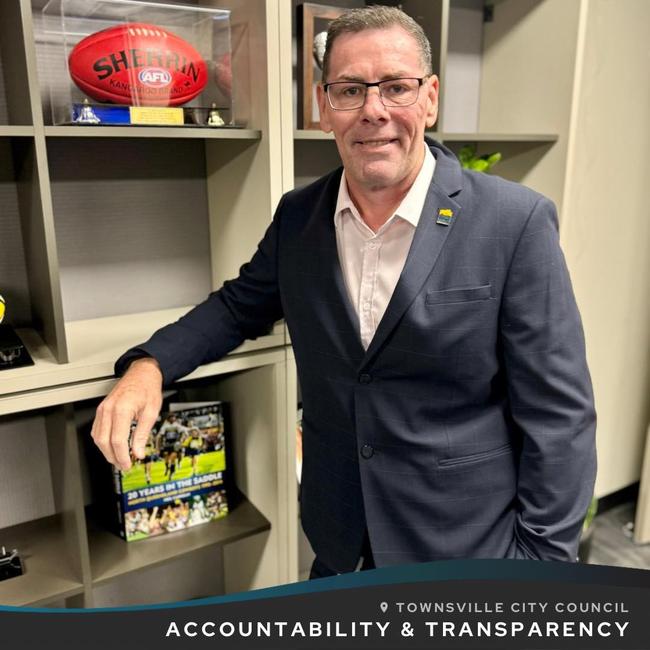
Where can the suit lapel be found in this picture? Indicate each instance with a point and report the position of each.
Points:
(428, 240)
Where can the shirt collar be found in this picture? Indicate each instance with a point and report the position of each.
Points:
(412, 204)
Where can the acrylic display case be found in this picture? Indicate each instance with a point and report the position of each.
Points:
(129, 62)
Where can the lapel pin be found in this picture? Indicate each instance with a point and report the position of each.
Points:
(444, 216)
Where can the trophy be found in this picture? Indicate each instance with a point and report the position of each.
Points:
(214, 119)
(10, 564)
(86, 114)
(13, 353)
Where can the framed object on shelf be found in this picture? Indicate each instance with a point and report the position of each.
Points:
(313, 21)
(129, 62)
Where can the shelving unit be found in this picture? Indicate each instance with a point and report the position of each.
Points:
(114, 232)
(179, 133)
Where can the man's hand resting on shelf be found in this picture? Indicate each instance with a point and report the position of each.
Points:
(136, 396)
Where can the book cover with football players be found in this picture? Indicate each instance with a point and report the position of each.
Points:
(181, 480)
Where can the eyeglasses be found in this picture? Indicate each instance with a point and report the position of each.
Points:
(350, 95)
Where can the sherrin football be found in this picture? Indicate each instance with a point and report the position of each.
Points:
(138, 63)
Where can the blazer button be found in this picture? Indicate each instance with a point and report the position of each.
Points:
(367, 451)
(365, 378)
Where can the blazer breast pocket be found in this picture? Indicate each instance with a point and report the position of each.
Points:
(468, 294)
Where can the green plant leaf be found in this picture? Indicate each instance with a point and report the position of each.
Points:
(465, 155)
(493, 159)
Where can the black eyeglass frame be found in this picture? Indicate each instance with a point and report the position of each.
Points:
(370, 84)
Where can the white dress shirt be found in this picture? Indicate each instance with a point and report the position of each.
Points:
(373, 261)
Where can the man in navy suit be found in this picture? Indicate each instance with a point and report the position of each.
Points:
(447, 405)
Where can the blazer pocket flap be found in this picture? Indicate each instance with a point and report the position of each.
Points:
(474, 458)
(468, 294)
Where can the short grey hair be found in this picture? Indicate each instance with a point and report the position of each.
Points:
(377, 17)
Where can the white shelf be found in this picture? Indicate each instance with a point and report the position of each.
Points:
(151, 132)
(112, 557)
(95, 344)
(308, 134)
(494, 137)
(49, 393)
(16, 131)
(304, 134)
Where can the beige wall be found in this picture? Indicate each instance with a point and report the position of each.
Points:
(606, 227)
(527, 79)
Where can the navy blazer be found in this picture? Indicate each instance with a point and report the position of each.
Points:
(467, 427)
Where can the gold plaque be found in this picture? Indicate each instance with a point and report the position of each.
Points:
(156, 115)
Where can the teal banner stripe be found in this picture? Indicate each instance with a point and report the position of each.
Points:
(441, 571)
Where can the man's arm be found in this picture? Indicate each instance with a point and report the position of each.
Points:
(243, 308)
(550, 393)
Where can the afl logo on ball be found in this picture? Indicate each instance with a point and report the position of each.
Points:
(154, 77)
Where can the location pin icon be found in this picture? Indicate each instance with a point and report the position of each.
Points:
(383, 607)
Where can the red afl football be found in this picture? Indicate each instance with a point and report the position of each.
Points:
(138, 63)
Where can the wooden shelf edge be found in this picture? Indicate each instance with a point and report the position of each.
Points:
(7, 131)
(77, 590)
(496, 137)
(308, 134)
(89, 363)
(64, 393)
(305, 134)
(123, 558)
(151, 132)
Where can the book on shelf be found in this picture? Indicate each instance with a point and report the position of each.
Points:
(181, 480)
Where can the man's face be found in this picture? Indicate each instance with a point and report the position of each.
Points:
(380, 147)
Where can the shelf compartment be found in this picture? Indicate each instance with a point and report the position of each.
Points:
(521, 151)
(314, 158)
(256, 438)
(132, 225)
(112, 557)
(519, 157)
(48, 575)
(151, 132)
(16, 286)
(166, 237)
(29, 283)
(41, 506)
(15, 104)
